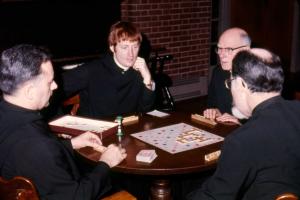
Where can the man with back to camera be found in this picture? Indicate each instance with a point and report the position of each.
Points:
(261, 159)
(119, 83)
(28, 148)
(219, 99)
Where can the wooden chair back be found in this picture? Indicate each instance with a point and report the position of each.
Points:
(287, 196)
(74, 102)
(18, 188)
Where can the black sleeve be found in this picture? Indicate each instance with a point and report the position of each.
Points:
(148, 100)
(51, 171)
(211, 93)
(227, 180)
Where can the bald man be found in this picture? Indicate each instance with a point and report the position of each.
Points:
(219, 100)
(261, 159)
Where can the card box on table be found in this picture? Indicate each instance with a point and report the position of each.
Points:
(146, 156)
(74, 125)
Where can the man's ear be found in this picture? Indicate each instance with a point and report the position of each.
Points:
(29, 91)
(241, 83)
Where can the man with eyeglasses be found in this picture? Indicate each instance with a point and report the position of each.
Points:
(219, 100)
(261, 159)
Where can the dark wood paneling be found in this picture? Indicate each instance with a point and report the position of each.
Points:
(269, 23)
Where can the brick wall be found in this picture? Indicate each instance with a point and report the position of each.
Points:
(182, 27)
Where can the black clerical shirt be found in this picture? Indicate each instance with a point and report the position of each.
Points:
(218, 95)
(107, 90)
(29, 149)
(261, 159)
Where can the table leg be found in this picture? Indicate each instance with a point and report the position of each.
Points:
(160, 190)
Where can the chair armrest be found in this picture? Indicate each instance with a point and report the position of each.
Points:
(287, 196)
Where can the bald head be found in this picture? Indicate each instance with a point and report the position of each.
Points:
(236, 36)
(231, 42)
(262, 53)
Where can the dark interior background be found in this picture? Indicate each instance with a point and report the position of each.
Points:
(69, 29)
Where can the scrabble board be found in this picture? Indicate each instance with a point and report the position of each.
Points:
(177, 137)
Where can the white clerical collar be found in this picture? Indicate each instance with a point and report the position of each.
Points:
(119, 65)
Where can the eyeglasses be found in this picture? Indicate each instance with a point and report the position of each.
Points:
(227, 50)
(228, 83)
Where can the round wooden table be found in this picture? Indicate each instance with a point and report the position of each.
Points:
(166, 164)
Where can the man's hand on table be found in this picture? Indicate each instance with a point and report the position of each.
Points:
(87, 139)
(212, 113)
(228, 118)
(113, 155)
(216, 115)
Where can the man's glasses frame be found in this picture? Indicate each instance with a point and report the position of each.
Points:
(227, 50)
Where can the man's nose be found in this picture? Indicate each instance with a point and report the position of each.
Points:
(131, 51)
(54, 85)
